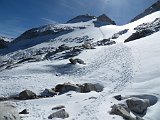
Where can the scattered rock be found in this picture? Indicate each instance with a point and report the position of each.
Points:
(24, 112)
(66, 87)
(121, 111)
(8, 112)
(88, 87)
(118, 97)
(58, 107)
(137, 105)
(63, 47)
(59, 114)
(48, 93)
(87, 45)
(76, 60)
(27, 94)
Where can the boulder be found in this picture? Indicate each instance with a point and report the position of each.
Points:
(121, 111)
(58, 107)
(27, 94)
(59, 114)
(76, 60)
(138, 105)
(87, 45)
(48, 93)
(66, 87)
(25, 111)
(8, 112)
(88, 87)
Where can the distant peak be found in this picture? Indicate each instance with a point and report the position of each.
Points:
(81, 18)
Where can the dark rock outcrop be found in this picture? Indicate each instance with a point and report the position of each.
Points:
(27, 94)
(76, 60)
(153, 8)
(88, 87)
(66, 87)
(137, 105)
(25, 111)
(81, 18)
(144, 30)
(59, 114)
(84, 88)
(8, 112)
(48, 93)
(58, 107)
(3, 43)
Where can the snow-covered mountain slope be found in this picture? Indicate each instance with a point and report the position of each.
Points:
(124, 68)
(153, 8)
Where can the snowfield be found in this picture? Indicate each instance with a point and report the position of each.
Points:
(131, 68)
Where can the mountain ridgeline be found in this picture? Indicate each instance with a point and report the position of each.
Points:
(153, 8)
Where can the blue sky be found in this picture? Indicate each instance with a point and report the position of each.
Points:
(16, 16)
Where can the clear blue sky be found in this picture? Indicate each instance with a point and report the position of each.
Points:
(16, 16)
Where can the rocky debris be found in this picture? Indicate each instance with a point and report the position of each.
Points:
(137, 105)
(66, 87)
(8, 112)
(48, 93)
(87, 45)
(63, 47)
(25, 111)
(116, 35)
(81, 18)
(121, 111)
(76, 60)
(118, 97)
(58, 107)
(84, 88)
(88, 87)
(153, 8)
(104, 42)
(27, 94)
(59, 114)
(144, 30)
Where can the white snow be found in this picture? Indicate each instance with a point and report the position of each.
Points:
(128, 69)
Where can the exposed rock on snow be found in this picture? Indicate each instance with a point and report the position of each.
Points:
(137, 105)
(25, 111)
(145, 29)
(58, 107)
(121, 111)
(87, 45)
(76, 60)
(48, 93)
(66, 87)
(116, 35)
(59, 114)
(84, 88)
(8, 112)
(27, 94)
(88, 87)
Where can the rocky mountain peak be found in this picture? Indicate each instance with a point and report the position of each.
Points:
(105, 18)
(82, 18)
(153, 8)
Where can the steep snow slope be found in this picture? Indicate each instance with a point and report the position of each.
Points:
(127, 69)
